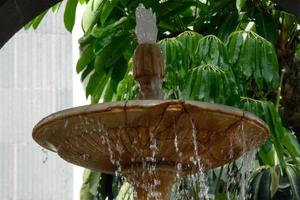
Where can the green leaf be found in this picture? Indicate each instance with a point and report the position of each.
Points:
(291, 143)
(264, 188)
(264, 183)
(109, 29)
(56, 7)
(118, 73)
(229, 25)
(102, 43)
(255, 185)
(111, 53)
(267, 153)
(211, 50)
(95, 85)
(36, 22)
(87, 71)
(209, 83)
(100, 86)
(234, 47)
(126, 192)
(83, 1)
(70, 14)
(86, 57)
(253, 57)
(266, 26)
(171, 8)
(275, 176)
(294, 178)
(127, 89)
(107, 9)
(268, 112)
(28, 25)
(257, 67)
(90, 183)
(189, 42)
(247, 59)
(240, 4)
(221, 196)
(91, 14)
(119, 70)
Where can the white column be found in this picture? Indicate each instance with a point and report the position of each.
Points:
(35, 80)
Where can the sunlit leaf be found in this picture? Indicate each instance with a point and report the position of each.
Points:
(56, 7)
(126, 192)
(240, 4)
(91, 13)
(90, 182)
(70, 14)
(294, 178)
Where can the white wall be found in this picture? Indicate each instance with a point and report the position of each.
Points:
(35, 80)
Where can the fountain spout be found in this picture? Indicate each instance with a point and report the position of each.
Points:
(148, 60)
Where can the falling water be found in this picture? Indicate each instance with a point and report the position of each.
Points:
(119, 149)
(176, 146)
(202, 179)
(152, 168)
(239, 171)
(45, 155)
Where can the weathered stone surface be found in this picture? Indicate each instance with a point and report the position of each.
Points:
(108, 136)
(149, 71)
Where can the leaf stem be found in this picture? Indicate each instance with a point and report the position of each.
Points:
(278, 98)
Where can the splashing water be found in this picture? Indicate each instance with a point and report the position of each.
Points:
(247, 165)
(146, 29)
(239, 176)
(45, 155)
(177, 150)
(202, 179)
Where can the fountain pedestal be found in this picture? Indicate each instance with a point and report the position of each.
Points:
(151, 185)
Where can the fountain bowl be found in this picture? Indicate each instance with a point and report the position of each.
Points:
(106, 136)
(151, 142)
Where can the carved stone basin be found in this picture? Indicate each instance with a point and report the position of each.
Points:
(150, 142)
(131, 136)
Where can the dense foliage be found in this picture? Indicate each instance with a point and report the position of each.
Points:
(242, 53)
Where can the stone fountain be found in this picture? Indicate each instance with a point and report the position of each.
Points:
(150, 141)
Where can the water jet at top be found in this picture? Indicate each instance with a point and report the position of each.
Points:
(150, 141)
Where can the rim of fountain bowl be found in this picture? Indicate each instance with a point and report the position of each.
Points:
(109, 106)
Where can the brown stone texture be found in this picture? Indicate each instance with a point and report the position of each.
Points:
(125, 135)
(149, 71)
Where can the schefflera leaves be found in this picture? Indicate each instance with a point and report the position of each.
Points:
(179, 54)
(197, 68)
(187, 58)
(210, 83)
(252, 56)
(211, 50)
(176, 65)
